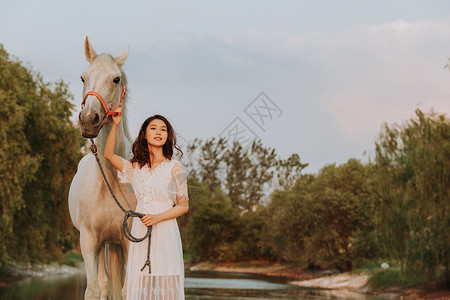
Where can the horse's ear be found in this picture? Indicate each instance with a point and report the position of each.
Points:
(89, 52)
(122, 57)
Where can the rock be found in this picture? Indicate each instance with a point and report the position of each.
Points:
(340, 281)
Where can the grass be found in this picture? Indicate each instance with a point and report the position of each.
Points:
(386, 278)
(382, 278)
(393, 277)
(368, 266)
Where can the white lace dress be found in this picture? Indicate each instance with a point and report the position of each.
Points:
(157, 191)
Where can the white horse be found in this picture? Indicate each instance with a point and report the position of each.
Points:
(92, 209)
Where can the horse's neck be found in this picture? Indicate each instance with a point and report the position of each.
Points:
(121, 145)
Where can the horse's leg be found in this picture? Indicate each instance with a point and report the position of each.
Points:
(125, 247)
(102, 276)
(89, 249)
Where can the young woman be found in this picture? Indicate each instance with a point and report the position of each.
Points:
(159, 183)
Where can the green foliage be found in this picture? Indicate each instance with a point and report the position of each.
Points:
(320, 218)
(260, 173)
(288, 170)
(285, 227)
(210, 161)
(18, 164)
(251, 234)
(39, 153)
(212, 222)
(343, 208)
(413, 209)
(71, 258)
(213, 230)
(246, 243)
(386, 278)
(395, 277)
(245, 174)
(237, 163)
(367, 266)
(396, 207)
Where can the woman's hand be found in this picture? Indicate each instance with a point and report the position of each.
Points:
(117, 118)
(150, 219)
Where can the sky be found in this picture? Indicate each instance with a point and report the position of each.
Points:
(316, 78)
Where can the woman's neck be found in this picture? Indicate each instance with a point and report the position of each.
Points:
(157, 154)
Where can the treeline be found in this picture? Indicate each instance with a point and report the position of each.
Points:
(39, 153)
(227, 187)
(395, 208)
(246, 203)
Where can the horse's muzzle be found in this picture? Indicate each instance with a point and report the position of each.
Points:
(90, 124)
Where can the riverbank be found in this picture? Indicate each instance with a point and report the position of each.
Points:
(293, 271)
(20, 272)
(352, 283)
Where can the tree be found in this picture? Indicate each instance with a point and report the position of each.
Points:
(341, 208)
(212, 223)
(320, 218)
(190, 159)
(16, 84)
(38, 157)
(286, 223)
(413, 210)
(288, 170)
(262, 162)
(237, 164)
(209, 162)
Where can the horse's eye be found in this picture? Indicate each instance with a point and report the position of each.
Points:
(82, 79)
(116, 80)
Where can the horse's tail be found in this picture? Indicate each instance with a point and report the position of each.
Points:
(115, 259)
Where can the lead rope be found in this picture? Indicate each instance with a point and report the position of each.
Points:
(128, 213)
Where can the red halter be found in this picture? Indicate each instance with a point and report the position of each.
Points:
(109, 112)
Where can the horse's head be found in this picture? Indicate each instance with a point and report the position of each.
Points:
(103, 89)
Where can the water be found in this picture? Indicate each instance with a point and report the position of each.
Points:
(198, 285)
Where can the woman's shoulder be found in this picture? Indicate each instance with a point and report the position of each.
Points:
(128, 162)
(131, 164)
(175, 164)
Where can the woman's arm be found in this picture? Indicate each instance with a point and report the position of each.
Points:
(114, 159)
(174, 212)
(181, 194)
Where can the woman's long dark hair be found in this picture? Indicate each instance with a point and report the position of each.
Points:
(141, 152)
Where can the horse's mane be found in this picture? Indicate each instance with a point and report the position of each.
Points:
(124, 114)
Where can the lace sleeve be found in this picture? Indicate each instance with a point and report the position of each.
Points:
(126, 175)
(180, 184)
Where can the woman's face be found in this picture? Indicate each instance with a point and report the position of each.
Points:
(156, 133)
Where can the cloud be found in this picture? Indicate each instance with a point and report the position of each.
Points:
(370, 74)
(403, 72)
(335, 87)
